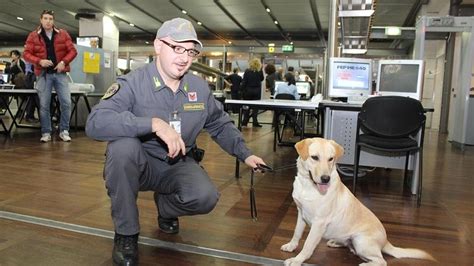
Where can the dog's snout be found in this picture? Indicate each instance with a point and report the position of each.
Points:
(325, 179)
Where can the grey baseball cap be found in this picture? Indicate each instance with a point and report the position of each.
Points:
(179, 30)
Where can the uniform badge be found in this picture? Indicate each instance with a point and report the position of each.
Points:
(111, 91)
(157, 82)
(192, 96)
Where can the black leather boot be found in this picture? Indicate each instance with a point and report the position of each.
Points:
(168, 225)
(125, 251)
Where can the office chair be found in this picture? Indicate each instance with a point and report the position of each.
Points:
(390, 124)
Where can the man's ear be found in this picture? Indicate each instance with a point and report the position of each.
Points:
(339, 149)
(302, 148)
(157, 45)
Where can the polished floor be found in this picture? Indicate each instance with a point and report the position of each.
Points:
(54, 209)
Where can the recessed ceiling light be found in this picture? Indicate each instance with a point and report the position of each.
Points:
(184, 11)
(131, 24)
(199, 23)
(19, 18)
(268, 10)
(229, 42)
(276, 22)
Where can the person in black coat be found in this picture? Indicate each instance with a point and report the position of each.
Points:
(252, 89)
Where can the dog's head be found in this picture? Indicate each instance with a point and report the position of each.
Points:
(318, 157)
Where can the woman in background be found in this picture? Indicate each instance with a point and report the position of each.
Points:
(289, 87)
(252, 89)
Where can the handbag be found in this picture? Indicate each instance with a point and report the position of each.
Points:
(19, 79)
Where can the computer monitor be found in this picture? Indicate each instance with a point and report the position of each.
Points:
(277, 83)
(89, 41)
(400, 78)
(5, 78)
(303, 88)
(350, 77)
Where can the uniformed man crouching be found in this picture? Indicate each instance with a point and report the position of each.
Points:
(151, 118)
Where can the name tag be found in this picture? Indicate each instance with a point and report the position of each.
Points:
(188, 107)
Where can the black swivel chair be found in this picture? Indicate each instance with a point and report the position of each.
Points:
(390, 124)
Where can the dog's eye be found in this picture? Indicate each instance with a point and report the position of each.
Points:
(331, 159)
(315, 157)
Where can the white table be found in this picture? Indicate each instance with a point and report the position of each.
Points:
(6, 92)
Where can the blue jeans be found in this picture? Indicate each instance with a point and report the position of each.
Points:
(44, 86)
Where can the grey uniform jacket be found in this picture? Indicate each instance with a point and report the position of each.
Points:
(142, 95)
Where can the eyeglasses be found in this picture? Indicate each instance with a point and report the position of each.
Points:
(180, 49)
(47, 11)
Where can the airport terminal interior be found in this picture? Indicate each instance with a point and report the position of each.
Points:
(391, 82)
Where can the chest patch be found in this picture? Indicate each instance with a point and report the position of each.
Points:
(189, 107)
(192, 96)
(111, 91)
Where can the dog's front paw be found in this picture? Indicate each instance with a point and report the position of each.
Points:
(293, 262)
(289, 247)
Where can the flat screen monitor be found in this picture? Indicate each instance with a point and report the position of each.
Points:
(303, 88)
(277, 83)
(350, 77)
(400, 78)
(89, 41)
(5, 78)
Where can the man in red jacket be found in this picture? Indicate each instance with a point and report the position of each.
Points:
(51, 50)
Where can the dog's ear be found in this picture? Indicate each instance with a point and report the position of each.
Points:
(302, 148)
(339, 149)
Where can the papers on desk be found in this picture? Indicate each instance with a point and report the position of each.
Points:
(7, 86)
(85, 87)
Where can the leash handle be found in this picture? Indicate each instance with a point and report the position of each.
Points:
(253, 203)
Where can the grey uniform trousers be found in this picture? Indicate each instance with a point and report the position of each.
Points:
(180, 189)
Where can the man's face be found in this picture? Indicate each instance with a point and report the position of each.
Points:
(173, 65)
(47, 21)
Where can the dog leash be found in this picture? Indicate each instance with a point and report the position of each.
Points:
(261, 168)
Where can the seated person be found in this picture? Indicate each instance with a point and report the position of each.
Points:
(287, 88)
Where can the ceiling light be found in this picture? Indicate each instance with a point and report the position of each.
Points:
(131, 24)
(291, 42)
(147, 42)
(184, 11)
(276, 22)
(111, 15)
(268, 10)
(393, 31)
(271, 44)
(19, 18)
(229, 42)
(199, 23)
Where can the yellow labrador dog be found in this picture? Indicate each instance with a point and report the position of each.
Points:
(332, 211)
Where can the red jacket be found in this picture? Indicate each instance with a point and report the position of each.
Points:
(35, 49)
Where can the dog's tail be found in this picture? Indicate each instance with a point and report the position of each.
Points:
(406, 252)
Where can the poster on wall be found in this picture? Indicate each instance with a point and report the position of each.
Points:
(107, 60)
(91, 63)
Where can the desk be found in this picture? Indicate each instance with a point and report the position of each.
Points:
(274, 105)
(16, 118)
(340, 124)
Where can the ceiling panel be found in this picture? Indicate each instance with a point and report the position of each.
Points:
(253, 26)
